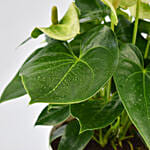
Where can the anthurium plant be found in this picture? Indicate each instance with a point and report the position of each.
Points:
(94, 74)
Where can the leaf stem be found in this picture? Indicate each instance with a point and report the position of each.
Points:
(136, 22)
(109, 82)
(147, 47)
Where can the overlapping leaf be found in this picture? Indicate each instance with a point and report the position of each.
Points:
(57, 76)
(96, 114)
(66, 29)
(92, 9)
(124, 32)
(133, 84)
(53, 116)
(72, 140)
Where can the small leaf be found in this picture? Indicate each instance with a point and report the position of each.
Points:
(67, 28)
(144, 12)
(56, 133)
(92, 9)
(110, 4)
(96, 114)
(72, 140)
(133, 85)
(53, 116)
(57, 76)
(13, 90)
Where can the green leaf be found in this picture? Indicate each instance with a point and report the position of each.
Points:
(67, 28)
(53, 116)
(92, 9)
(72, 140)
(124, 29)
(13, 90)
(127, 3)
(144, 26)
(56, 133)
(133, 84)
(124, 32)
(144, 12)
(96, 114)
(110, 4)
(57, 76)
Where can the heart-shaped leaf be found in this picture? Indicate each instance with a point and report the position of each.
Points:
(92, 9)
(133, 84)
(72, 140)
(144, 12)
(53, 116)
(96, 114)
(66, 29)
(57, 76)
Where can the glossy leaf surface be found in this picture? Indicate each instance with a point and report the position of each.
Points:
(53, 116)
(133, 84)
(57, 76)
(72, 140)
(66, 29)
(144, 12)
(96, 114)
(92, 9)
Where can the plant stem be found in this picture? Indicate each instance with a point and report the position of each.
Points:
(95, 139)
(147, 47)
(108, 89)
(109, 82)
(136, 22)
(101, 138)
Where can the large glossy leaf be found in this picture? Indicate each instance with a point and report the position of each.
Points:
(57, 76)
(133, 84)
(72, 140)
(53, 116)
(66, 29)
(92, 9)
(96, 114)
(13, 90)
(144, 12)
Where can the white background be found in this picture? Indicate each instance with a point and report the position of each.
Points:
(17, 118)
